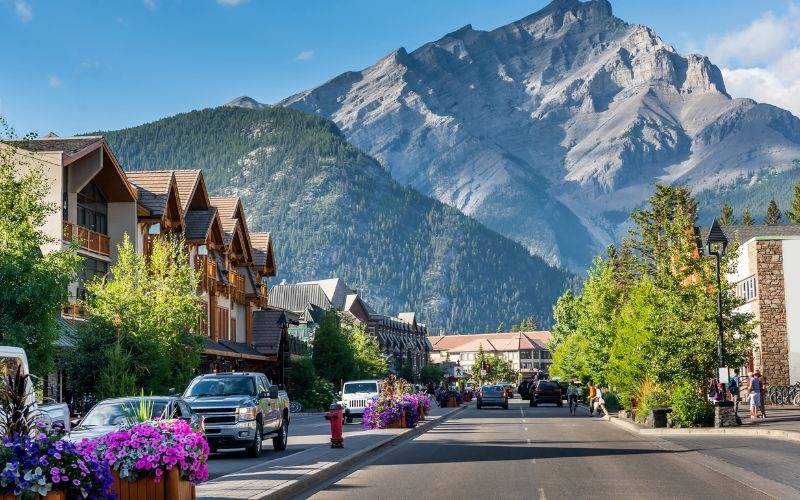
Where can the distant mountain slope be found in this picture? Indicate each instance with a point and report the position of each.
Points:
(334, 211)
(551, 127)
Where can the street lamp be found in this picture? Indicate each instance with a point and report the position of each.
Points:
(717, 243)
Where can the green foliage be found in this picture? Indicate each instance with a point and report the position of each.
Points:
(333, 357)
(774, 216)
(726, 214)
(370, 362)
(565, 318)
(151, 309)
(689, 406)
(794, 213)
(142, 412)
(431, 374)
(499, 369)
(406, 371)
(116, 376)
(529, 324)
(311, 391)
(649, 395)
(747, 219)
(337, 212)
(34, 284)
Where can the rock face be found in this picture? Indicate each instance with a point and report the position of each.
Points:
(551, 128)
(245, 102)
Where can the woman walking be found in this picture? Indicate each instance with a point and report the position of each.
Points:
(755, 394)
(572, 396)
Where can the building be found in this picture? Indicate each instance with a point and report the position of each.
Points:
(403, 339)
(101, 205)
(527, 351)
(767, 278)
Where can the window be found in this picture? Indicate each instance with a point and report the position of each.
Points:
(545, 354)
(524, 354)
(746, 289)
(526, 365)
(93, 209)
(91, 268)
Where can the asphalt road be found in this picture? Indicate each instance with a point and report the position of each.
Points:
(304, 431)
(538, 453)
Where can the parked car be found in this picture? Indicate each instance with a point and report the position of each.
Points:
(492, 395)
(525, 388)
(240, 410)
(53, 414)
(111, 414)
(355, 395)
(547, 391)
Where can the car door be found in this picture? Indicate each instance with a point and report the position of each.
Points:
(267, 404)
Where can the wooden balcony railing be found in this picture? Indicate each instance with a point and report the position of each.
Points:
(237, 288)
(263, 296)
(87, 239)
(207, 269)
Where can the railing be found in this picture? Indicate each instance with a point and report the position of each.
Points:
(263, 296)
(207, 269)
(87, 239)
(237, 289)
(783, 395)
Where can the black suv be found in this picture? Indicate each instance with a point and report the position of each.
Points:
(546, 391)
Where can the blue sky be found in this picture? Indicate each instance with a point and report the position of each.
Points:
(80, 66)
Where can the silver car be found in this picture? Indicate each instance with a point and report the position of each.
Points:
(493, 395)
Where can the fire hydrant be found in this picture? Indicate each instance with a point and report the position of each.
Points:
(336, 418)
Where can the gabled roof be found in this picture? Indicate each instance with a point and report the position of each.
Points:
(298, 297)
(198, 223)
(154, 188)
(500, 342)
(231, 214)
(335, 290)
(67, 145)
(192, 190)
(268, 330)
(263, 256)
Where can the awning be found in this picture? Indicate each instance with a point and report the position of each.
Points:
(235, 350)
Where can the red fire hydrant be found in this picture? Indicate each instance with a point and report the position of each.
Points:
(335, 417)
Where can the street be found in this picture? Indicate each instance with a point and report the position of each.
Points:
(544, 453)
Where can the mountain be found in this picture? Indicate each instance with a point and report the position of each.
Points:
(334, 211)
(552, 128)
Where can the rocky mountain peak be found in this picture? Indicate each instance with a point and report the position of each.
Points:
(245, 102)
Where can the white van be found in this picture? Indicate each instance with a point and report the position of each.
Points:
(355, 395)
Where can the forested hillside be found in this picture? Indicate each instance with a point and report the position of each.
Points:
(334, 211)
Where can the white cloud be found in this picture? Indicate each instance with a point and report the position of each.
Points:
(23, 10)
(150, 4)
(762, 60)
(54, 81)
(305, 55)
(231, 3)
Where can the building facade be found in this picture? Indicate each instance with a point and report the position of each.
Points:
(527, 351)
(767, 278)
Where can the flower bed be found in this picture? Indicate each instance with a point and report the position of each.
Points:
(150, 449)
(46, 463)
(394, 405)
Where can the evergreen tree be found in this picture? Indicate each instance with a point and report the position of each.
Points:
(774, 216)
(726, 214)
(116, 375)
(528, 324)
(747, 219)
(794, 214)
(34, 285)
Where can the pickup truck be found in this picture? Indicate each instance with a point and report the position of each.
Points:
(52, 414)
(240, 410)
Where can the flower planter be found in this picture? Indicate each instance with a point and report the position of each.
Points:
(171, 487)
(421, 410)
(53, 495)
(398, 424)
(451, 403)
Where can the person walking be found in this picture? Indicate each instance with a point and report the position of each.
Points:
(591, 396)
(755, 394)
(762, 406)
(600, 403)
(572, 396)
(734, 387)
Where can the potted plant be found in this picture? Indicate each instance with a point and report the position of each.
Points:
(164, 455)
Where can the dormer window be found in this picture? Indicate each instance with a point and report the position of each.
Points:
(93, 209)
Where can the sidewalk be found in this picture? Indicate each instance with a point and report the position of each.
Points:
(293, 474)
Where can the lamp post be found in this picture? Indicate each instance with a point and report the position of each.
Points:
(717, 243)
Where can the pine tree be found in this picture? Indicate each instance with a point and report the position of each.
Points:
(726, 215)
(794, 214)
(774, 216)
(747, 219)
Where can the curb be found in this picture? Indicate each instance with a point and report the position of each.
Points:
(318, 478)
(727, 431)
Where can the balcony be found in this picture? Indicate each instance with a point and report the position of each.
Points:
(237, 289)
(207, 269)
(87, 239)
(263, 296)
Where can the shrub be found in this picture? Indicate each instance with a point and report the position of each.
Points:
(318, 396)
(649, 395)
(689, 408)
(612, 401)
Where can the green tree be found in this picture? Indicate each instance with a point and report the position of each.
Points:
(406, 371)
(151, 309)
(116, 376)
(311, 391)
(774, 216)
(34, 284)
(528, 324)
(726, 214)
(431, 374)
(747, 219)
(565, 319)
(794, 213)
(333, 357)
(370, 362)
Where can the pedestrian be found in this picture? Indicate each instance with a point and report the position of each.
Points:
(600, 403)
(734, 387)
(755, 394)
(762, 406)
(591, 396)
(714, 395)
(572, 396)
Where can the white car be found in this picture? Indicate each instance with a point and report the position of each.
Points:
(355, 395)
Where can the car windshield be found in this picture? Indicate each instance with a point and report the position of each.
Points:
(491, 389)
(223, 386)
(119, 413)
(549, 386)
(360, 387)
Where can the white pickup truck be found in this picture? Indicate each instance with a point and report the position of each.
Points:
(51, 414)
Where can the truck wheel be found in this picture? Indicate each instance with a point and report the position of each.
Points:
(280, 441)
(254, 450)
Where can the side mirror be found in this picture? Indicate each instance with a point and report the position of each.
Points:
(339, 393)
(171, 391)
(273, 392)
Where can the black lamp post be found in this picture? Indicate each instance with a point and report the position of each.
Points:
(717, 243)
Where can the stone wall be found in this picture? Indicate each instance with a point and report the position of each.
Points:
(771, 313)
